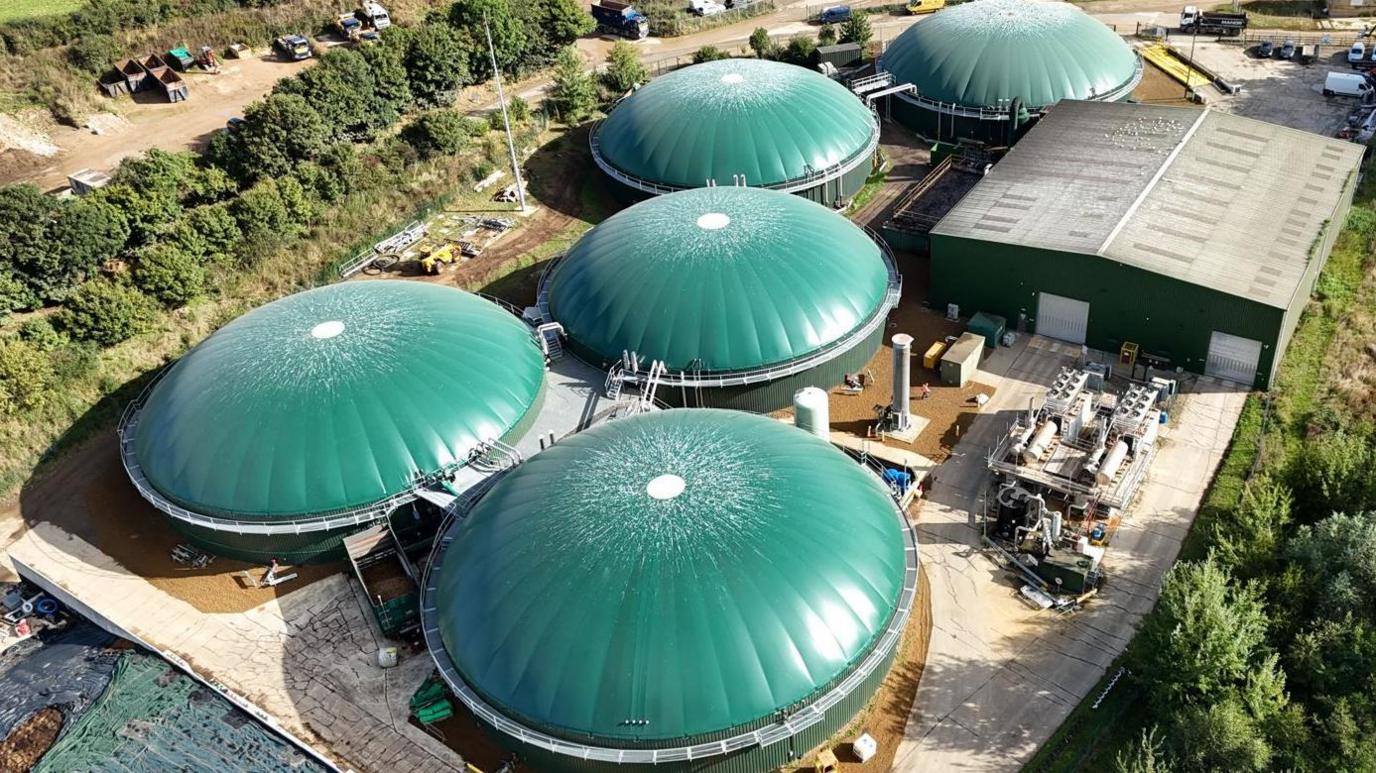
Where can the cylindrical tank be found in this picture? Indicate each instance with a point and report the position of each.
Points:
(1057, 520)
(1111, 463)
(1040, 441)
(902, 379)
(1095, 456)
(812, 411)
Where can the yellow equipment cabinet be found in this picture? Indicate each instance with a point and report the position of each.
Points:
(933, 355)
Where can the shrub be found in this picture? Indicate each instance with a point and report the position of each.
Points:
(169, 273)
(438, 132)
(40, 334)
(94, 53)
(25, 376)
(624, 69)
(437, 64)
(573, 95)
(15, 294)
(105, 312)
(709, 54)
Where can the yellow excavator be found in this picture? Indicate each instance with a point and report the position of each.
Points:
(435, 261)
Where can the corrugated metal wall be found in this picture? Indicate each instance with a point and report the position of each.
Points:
(1162, 315)
(828, 193)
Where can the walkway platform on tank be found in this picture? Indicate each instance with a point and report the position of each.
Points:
(303, 654)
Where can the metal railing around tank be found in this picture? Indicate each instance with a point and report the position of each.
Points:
(683, 379)
(810, 713)
(811, 179)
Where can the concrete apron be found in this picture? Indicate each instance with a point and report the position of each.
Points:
(1000, 678)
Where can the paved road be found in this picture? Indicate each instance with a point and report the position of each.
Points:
(1001, 678)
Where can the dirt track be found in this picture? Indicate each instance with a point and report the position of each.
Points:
(151, 122)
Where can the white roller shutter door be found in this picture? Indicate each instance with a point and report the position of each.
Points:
(1233, 358)
(1064, 319)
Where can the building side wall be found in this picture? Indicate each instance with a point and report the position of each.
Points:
(1317, 261)
(1162, 315)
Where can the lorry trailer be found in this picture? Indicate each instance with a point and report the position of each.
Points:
(620, 18)
(1193, 20)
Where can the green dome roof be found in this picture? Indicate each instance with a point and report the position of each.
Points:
(670, 575)
(735, 278)
(774, 123)
(986, 52)
(335, 398)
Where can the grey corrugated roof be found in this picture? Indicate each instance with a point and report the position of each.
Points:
(1207, 197)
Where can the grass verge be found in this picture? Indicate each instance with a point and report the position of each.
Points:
(14, 10)
(1269, 430)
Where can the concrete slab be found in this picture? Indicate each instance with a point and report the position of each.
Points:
(1000, 677)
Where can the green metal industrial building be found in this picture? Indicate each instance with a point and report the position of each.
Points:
(739, 122)
(1196, 235)
(981, 70)
(744, 294)
(688, 590)
(307, 418)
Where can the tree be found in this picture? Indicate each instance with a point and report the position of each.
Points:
(437, 64)
(826, 36)
(15, 294)
(761, 43)
(85, 234)
(24, 250)
(337, 173)
(25, 376)
(94, 53)
(1247, 538)
(1337, 558)
(624, 70)
(1146, 755)
(105, 312)
(267, 214)
(280, 132)
(1333, 473)
(207, 233)
(573, 95)
(1202, 639)
(709, 54)
(561, 21)
(169, 273)
(1220, 736)
(39, 333)
(343, 90)
(438, 132)
(800, 51)
(856, 29)
(517, 109)
(391, 83)
(510, 36)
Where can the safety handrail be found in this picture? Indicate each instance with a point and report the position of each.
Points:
(810, 179)
(789, 725)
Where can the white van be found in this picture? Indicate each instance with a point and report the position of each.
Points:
(1345, 84)
(1356, 54)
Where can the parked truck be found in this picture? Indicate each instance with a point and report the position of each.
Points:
(376, 15)
(294, 47)
(618, 18)
(1193, 20)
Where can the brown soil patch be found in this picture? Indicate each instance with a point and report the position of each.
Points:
(949, 411)
(465, 735)
(88, 495)
(28, 742)
(387, 579)
(1158, 88)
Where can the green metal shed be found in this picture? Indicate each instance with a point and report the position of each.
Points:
(744, 294)
(1197, 235)
(740, 121)
(686, 590)
(975, 64)
(298, 422)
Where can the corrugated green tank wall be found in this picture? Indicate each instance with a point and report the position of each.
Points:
(751, 760)
(320, 547)
(1160, 314)
(828, 193)
(767, 396)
